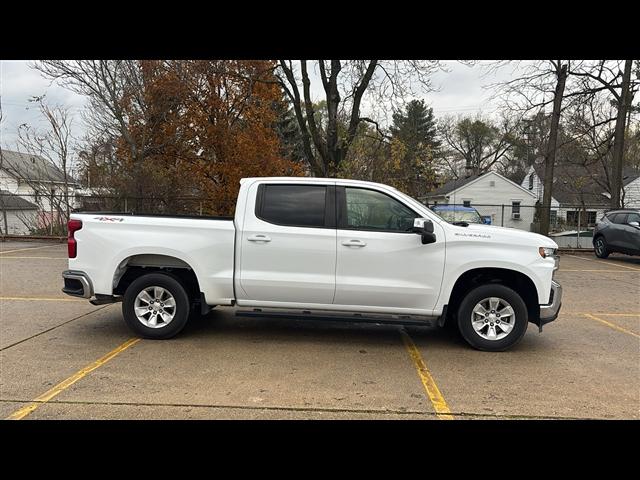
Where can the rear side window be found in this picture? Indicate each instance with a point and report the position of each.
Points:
(633, 217)
(292, 205)
(618, 217)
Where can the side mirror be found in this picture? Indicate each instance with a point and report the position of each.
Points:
(424, 227)
(635, 224)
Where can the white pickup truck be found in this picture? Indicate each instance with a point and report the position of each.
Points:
(317, 248)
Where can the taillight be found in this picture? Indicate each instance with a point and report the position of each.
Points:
(72, 227)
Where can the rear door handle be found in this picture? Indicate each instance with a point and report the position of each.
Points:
(259, 238)
(354, 243)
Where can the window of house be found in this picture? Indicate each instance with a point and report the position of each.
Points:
(466, 203)
(531, 182)
(583, 218)
(515, 207)
(553, 217)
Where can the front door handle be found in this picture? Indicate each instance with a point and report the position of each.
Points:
(259, 238)
(354, 243)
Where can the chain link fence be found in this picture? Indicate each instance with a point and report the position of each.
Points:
(46, 215)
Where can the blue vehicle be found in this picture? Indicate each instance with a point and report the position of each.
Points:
(457, 213)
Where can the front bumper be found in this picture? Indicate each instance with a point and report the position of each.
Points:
(77, 284)
(548, 313)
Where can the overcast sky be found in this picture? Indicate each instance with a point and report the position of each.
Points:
(459, 91)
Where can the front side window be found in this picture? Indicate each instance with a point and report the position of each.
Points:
(515, 207)
(371, 210)
(293, 205)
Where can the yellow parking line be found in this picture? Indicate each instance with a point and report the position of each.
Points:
(49, 394)
(594, 270)
(44, 299)
(605, 314)
(30, 248)
(611, 325)
(38, 258)
(433, 392)
(609, 262)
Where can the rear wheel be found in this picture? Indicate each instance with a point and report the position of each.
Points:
(156, 306)
(600, 246)
(492, 318)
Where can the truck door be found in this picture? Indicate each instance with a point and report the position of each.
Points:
(288, 244)
(381, 263)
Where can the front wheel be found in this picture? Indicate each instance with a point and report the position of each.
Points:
(156, 306)
(492, 318)
(600, 246)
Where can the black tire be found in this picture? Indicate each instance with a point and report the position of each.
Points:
(182, 307)
(600, 247)
(474, 338)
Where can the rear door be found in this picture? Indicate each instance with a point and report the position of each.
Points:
(381, 264)
(631, 240)
(616, 232)
(288, 244)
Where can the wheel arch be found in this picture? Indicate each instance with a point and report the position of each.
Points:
(517, 281)
(135, 266)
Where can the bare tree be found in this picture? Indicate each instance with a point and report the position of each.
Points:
(608, 76)
(54, 145)
(479, 143)
(345, 85)
(105, 83)
(541, 84)
(2, 208)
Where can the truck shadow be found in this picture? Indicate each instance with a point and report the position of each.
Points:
(224, 325)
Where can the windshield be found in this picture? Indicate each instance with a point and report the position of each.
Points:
(459, 216)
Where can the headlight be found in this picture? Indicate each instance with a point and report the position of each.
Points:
(547, 252)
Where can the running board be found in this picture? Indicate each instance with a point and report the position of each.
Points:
(354, 318)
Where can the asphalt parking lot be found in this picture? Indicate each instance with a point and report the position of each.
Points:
(62, 358)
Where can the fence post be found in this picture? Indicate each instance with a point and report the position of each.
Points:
(200, 208)
(502, 216)
(578, 242)
(125, 205)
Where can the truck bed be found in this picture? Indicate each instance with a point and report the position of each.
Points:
(109, 242)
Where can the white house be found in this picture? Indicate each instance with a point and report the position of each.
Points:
(631, 186)
(575, 189)
(39, 183)
(16, 214)
(492, 194)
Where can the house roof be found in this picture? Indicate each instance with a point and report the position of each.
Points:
(34, 168)
(576, 184)
(629, 175)
(10, 201)
(454, 185)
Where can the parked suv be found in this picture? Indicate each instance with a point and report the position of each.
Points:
(618, 231)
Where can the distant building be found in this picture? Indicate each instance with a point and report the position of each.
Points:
(575, 188)
(492, 194)
(16, 214)
(38, 182)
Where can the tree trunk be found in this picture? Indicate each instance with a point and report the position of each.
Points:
(618, 143)
(550, 156)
